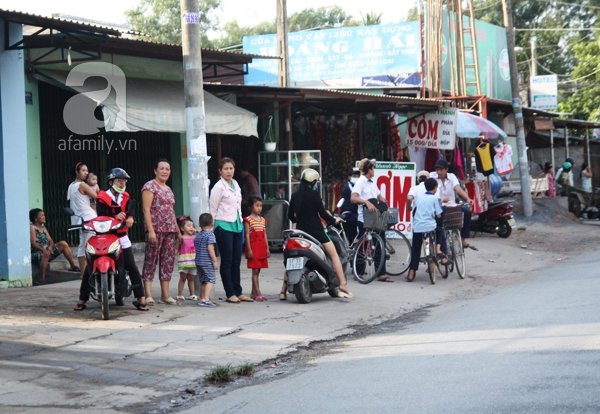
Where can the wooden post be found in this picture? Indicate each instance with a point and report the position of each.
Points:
(587, 146)
(219, 149)
(552, 150)
(361, 149)
(566, 142)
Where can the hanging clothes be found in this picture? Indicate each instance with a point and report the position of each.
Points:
(395, 139)
(503, 159)
(457, 161)
(417, 155)
(484, 158)
(431, 157)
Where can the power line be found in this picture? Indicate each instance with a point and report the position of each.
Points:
(582, 29)
(570, 4)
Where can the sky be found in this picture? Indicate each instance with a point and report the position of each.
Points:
(247, 13)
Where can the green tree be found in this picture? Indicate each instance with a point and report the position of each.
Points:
(234, 33)
(310, 18)
(161, 19)
(371, 18)
(582, 94)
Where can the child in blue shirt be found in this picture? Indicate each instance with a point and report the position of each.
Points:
(427, 208)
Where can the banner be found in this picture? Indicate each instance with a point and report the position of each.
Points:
(394, 180)
(435, 129)
(347, 53)
(544, 92)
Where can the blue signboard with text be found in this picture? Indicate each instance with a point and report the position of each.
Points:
(347, 54)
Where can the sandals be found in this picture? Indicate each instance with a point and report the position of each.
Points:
(233, 299)
(469, 246)
(243, 298)
(79, 307)
(413, 273)
(442, 256)
(193, 297)
(283, 296)
(168, 301)
(150, 301)
(386, 279)
(181, 298)
(139, 306)
(74, 269)
(259, 298)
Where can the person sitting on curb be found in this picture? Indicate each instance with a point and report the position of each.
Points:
(116, 203)
(43, 248)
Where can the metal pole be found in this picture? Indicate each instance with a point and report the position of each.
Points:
(566, 142)
(552, 150)
(533, 54)
(587, 146)
(197, 155)
(284, 67)
(514, 81)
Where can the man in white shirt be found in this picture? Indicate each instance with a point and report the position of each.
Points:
(416, 191)
(557, 186)
(447, 185)
(364, 190)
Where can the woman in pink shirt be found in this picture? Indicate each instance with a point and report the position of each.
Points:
(226, 209)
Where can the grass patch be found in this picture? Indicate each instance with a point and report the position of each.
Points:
(220, 374)
(245, 370)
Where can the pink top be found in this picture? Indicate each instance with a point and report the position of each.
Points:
(226, 202)
(187, 254)
(161, 211)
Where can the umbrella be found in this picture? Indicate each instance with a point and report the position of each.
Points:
(471, 126)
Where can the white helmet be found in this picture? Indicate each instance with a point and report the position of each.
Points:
(309, 175)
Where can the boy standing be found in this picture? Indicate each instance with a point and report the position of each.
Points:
(427, 208)
(206, 260)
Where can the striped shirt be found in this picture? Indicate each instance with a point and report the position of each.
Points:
(201, 242)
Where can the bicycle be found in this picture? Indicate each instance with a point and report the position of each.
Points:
(453, 222)
(369, 249)
(429, 256)
(397, 247)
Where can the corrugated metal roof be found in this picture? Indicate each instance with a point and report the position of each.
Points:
(33, 19)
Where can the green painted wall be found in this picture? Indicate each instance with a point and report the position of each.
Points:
(34, 152)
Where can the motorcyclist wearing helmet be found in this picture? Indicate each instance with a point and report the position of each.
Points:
(305, 208)
(115, 202)
(559, 187)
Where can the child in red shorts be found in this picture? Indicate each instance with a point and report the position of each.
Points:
(257, 244)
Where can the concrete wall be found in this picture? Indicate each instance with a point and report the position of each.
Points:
(15, 266)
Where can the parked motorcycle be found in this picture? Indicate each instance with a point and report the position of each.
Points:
(102, 252)
(308, 268)
(498, 219)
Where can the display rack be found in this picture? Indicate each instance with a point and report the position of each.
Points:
(279, 172)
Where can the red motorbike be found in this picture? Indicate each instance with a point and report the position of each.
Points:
(102, 252)
(498, 219)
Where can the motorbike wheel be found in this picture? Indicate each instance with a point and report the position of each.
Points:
(504, 229)
(302, 290)
(104, 293)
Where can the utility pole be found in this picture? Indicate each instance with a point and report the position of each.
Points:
(195, 124)
(518, 111)
(284, 66)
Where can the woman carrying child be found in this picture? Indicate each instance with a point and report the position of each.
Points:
(187, 257)
(257, 244)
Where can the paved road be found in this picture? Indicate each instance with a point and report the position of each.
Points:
(528, 348)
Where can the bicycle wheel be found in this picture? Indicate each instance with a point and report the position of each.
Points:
(368, 258)
(397, 248)
(459, 253)
(450, 253)
(431, 259)
(442, 268)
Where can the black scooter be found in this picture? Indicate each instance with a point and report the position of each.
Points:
(308, 268)
(498, 219)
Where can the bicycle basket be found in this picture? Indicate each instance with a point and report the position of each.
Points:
(453, 218)
(393, 216)
(375, 221)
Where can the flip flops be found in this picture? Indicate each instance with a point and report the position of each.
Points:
(168, 301)
(283, 296)
(207, 304)
(345, 295)
(236, 300)
(245, 298)
(385, 279)
(259, 298)
(139, 306)
(79, 307)
(469, 246)
(74, 269)
(150, 301)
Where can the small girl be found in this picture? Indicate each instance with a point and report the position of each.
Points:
(187, 257)
(92, 181)
(257, 245)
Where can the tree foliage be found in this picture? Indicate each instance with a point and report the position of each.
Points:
(310, 18)
(371, 18)
(582, 96)
(161, 19)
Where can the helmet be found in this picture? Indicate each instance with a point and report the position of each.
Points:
(567, 165)
(309, 175)
(117, 173)
(569, 159)
(422, 176)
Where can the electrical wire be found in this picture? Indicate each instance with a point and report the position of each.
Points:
(569, 4)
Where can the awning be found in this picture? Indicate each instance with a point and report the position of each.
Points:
(158, 106)
(471, 126)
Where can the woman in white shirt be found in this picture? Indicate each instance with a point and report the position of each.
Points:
(586, 177)
(80, 195)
